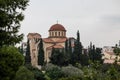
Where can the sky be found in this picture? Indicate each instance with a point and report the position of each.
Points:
(98, 21)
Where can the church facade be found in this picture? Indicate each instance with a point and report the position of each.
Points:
(56, 39)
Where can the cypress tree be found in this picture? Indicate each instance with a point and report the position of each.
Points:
(27, 56)
(66, 46)
(70, 47)
(95, 54)
(70, 52)
(41, 53)
(77, 50)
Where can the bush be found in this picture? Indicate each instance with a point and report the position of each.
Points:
(53, 72)
(10, 61)
(71, 71)
(38, 74)
(24, 74)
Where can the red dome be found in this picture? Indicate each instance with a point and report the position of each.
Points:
(57, 27)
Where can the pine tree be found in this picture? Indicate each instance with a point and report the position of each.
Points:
(41, 53)
(10, 18)
(27, 56)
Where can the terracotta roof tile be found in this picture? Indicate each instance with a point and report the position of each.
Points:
(55, 46)
(57, 27)
(48, 40)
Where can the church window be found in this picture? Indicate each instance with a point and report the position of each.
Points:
(55, 33)
(52, 33)
(59, 33)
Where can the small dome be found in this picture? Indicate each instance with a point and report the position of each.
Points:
(57, 27)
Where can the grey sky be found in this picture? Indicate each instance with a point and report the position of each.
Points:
(97, 20)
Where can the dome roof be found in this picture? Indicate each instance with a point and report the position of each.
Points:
(57, 27)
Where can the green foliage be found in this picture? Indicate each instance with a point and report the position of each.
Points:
(71, 78)
(27, 56)
(10, 61)
(54, 72)
(95, 54)
(77, 50)
(71, 71)
(58, 57)
(10, 17)
(38, 74)
(24, 74)
(41, 53)
(84, 59)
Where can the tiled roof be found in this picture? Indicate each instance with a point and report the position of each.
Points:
(49, 40)
(110, 53)
(34, 35)
(61, 40)
(57, 27)
(55, 46)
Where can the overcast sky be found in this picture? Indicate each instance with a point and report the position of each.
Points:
(97, 20)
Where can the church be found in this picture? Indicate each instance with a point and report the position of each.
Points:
(56, 39)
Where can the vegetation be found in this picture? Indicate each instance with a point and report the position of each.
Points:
(66, 64)
(41, 53)
(27, 56)
(10, 61)
(10, 18)
(24, 74)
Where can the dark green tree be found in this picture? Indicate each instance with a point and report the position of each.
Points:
(117, 53)
(10, 18)
(84, 59)
(70, 47)
(41, 53)
(27, 56)
(58, 57)
(99, 55)
(66, 46)
(77, 50)
(95, 54)
(10, 61)
(70, 52)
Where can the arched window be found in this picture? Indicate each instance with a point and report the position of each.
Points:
(55, 33)
(59, 33)
(52, 33)
(62, 33)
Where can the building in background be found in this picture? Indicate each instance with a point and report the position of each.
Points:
(56, 39)
(108, 54)
(34, 39)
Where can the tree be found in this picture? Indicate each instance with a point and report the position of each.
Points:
(38, 74)
(10, 61)
(10, 18)
(27, 56)
(41, 53)
(58, 57)
(77, 50)
(84, 59)
(95, 54)
(66, 46)
(117, 53)
(24, 74)
(53, 72)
